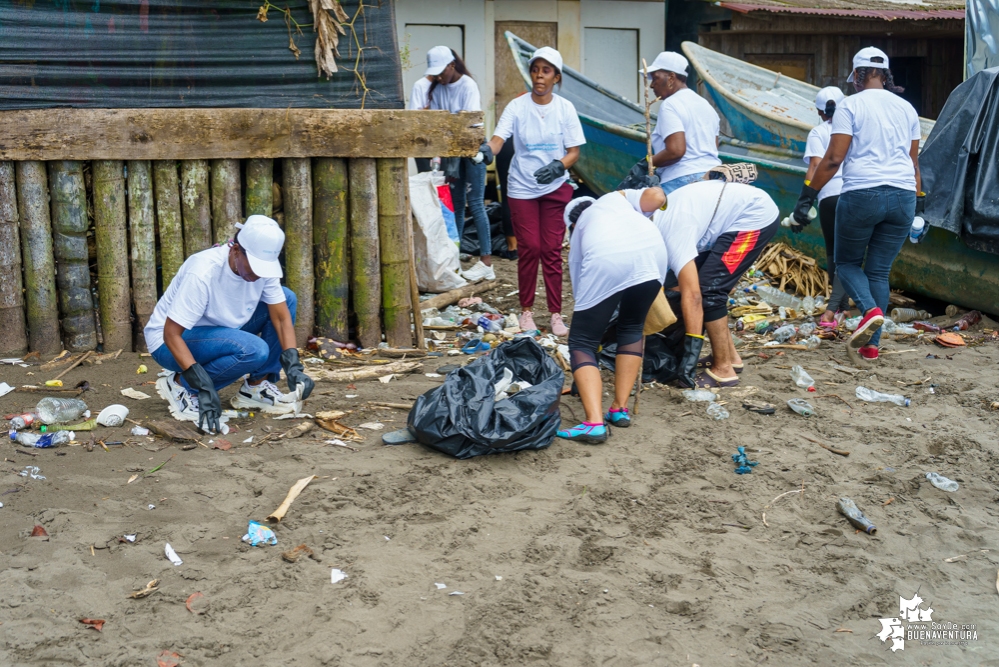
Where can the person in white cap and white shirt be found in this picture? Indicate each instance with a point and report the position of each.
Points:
(453, 89)
(815, 149)
(875, 140)
(685, 139)
(547, 135)
(226, 315)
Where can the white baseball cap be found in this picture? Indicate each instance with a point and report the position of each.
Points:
(549, 54)
(828, 93)
(438, 58)
(863, 59)
(262, 239)
(671, 61)
(573, 203)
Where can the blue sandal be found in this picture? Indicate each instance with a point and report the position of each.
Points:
(618, 417)
(593, 434)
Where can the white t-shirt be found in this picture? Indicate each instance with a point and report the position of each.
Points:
(815, 146)
(207, 293)
(418, 98)
(541, 133)
(686, 111)
(462, 95)
(687, 226)
(883, 127)
(612, 249)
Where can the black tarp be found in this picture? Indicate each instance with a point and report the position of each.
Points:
(188, 53)
(960, 163)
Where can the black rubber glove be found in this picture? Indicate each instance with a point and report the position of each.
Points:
(687, 370)
(638, 178)
(487, 154)
(209, 405)
(920, 203)
(295, 373)
(549, 172)
(805, 201)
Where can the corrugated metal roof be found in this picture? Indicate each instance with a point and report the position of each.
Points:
(887, 10)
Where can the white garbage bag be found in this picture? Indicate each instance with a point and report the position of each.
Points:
(437, 265)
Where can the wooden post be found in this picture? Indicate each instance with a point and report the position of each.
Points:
(414, 288)
(13, 337)
(112, 254)
(298, 242)
(366, 272)
(394, 251)
(194, 206)
(143, 242)
(329, 235)
(168, 216)
(227, 209)
(36, 255)
(259, 188)
(69, 230)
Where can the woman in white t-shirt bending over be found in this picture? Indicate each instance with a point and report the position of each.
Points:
(875, 137)
(546, 135)
(453, 89)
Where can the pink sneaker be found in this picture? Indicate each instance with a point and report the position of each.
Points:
(526, 321)
(558, 326)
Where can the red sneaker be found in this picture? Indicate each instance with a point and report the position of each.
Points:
(871, 322)
(869, 352)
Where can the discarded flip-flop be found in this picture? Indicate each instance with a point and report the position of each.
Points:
(949, 339)
(759, 407)
(475, 346)
(708, 380)
(403, 436)
(708, 361)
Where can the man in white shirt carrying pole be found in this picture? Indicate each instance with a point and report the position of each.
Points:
(685, 139)
(224, 316)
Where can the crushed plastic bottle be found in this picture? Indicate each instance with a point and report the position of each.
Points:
(849, 509)
(802, 378)
(698, 395)
(808, 305)
(785, 333)
(717, 412)
(812, 342)
(942, 482)
(908, 314)
(42, 440)
(23, 421)
(801, 406)
(776, 297)
(871, 396)
(851, 323)
(60, 410)
(437, 322)
(806, 329)
(139, 430)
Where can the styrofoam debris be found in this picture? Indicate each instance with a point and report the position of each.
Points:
(336, 576)
(172, 555)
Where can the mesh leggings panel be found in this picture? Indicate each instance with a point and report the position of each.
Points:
(636, 348)
(580, 358)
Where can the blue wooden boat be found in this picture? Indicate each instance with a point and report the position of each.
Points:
(758, 105)
(941, 267)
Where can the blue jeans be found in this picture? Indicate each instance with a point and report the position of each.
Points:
(874, 221)
(670, 186)
(473, 175)
(229, 354)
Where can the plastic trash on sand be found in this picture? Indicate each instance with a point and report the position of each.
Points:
(743, 465)
(336, 576)
(801, 406)
(112, 415)
(462, 417)
(717, 412)
(172, 555)
(258, 534)
(942, 482)
(849, 509)
(802, 378)
(696, 395)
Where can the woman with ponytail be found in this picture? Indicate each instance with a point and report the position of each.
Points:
(815, 149)
(875, 138)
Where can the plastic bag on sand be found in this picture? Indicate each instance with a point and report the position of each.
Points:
(437, 263)
(462, 418)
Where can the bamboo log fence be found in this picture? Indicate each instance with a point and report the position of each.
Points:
(87, 247)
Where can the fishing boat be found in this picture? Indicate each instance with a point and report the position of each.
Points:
(758, 105)
(941, 266)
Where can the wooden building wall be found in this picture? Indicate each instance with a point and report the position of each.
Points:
(819, 49)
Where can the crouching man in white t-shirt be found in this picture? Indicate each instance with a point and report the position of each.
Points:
(225, 315)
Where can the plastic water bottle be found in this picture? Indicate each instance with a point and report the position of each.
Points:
(801, 406)
(917, 229)
(865, 394)
(942, 482)
(802, 378)
(24, 421)
(698, 395)
(717, 412)
(42, 440)
(791, 222)
(806, 329)
(812, 342)
(849, 509)
(776, 297)
(493, 326)
(785, 333)
(808, 305)
(60, 410)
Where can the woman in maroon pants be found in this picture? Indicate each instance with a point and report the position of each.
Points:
(547, 135)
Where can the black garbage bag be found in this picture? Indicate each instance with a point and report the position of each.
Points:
(470, 235)
(461, 417)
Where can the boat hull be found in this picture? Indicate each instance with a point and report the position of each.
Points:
(753, 127)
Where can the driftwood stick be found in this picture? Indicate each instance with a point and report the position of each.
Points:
(841, 452)
(75, 364)
(445, 299)
(648, 136)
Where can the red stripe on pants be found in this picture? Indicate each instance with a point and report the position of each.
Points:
(744, 242)
(539, 228)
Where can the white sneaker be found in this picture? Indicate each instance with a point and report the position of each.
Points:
(527, 321)
(266, 397)
(479, 272)
(558, 326)
(183, 404)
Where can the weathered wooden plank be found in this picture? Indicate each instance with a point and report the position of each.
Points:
(112, 254)
(227, 209)
(298, 272)
(394, 246)
(36, 254)
(186, 134)
(365, 268)
(143, 241)
(329, 235)
(13, 337)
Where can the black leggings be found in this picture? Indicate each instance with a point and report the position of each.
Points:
(838, 298)
(588, 325)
